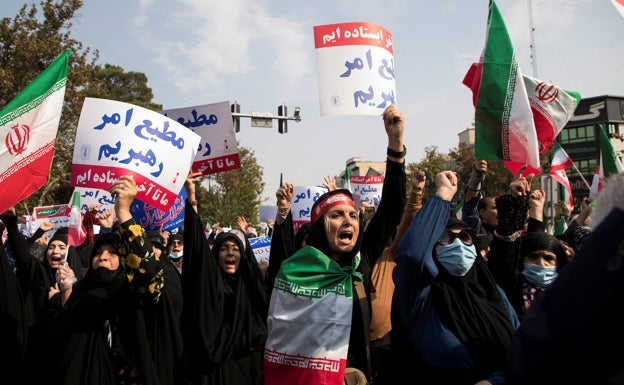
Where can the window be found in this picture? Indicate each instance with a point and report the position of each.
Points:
(578, 134)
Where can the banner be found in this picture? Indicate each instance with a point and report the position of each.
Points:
(367, 190)
(218, 150)
(115, 138)
(304, 198)
(153, 219)
(261, 247)
(355, 68)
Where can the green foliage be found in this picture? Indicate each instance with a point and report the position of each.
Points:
(129, 87)
(32, 40)
(431, 163)
(28, 44)
(460, 160)
(237, 193)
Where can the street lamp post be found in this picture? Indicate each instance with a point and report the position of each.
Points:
(265, 119)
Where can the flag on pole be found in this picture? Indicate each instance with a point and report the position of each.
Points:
(596, 182)
(504, 128)
(76, 232)
(346, 183)
(559, 163)
(609, 164)
(551, 107)
(458, 209)
(562, 226)
(619, 5)
(28, 127)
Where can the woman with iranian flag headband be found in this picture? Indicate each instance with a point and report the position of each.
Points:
(318, 322)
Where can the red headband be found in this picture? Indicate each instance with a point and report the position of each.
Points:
(329, 202)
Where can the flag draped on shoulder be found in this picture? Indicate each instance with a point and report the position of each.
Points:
(309, 320)
(517, 117)
(560, 162)
(609, 164)
(28, 127)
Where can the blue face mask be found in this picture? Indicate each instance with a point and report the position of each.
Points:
(456, 257)
(539, 276)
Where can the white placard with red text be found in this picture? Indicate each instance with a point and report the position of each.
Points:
(355, 68)
(115, 138)
(367, 189)
(218, 150)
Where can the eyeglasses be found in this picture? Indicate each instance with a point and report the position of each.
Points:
(181, 243)
(449, 236)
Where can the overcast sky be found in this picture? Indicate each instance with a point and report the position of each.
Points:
(261, 54)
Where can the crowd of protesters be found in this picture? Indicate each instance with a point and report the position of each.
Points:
(414, 294)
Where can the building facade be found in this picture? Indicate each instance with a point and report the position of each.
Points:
(579, 139)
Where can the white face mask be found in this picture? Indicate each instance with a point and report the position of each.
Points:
(539, 276)
(174, 255)
(457, 257)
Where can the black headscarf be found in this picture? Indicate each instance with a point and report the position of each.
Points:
(224, 315)
(540, 240)
(74, 349)
(472, 307)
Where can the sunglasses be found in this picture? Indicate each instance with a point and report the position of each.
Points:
(449, 236)
(181, 243)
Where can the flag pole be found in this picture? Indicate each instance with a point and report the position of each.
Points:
(581, 175)
(532, 38)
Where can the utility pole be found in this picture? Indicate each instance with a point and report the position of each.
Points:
(265, 119)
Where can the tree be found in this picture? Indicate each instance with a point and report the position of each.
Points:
(460, 160)
(233, 193)
(28, 44)
(129, 87)
(431, 163)
(497, 178)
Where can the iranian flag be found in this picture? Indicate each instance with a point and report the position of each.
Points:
(309, 321)
(609, 164)
(346, 182)
(517, 117)
(559, 163)
(562, 226)
(619, 5)
(28, 127)
(504, 128)
(76, 232)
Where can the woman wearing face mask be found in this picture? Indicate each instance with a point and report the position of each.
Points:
(523, 258)
(542, 256)
(459, 323)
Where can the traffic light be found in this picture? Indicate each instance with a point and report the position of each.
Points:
(235, 108)
(282, 123)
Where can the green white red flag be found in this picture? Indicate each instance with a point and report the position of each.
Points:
(346, 182)
(619, 5)
(562, 226)
(76, 232)
(517, 117)
(559, 163)
(309, 320)
(28, 127)
(609, 164)
(504, 128)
